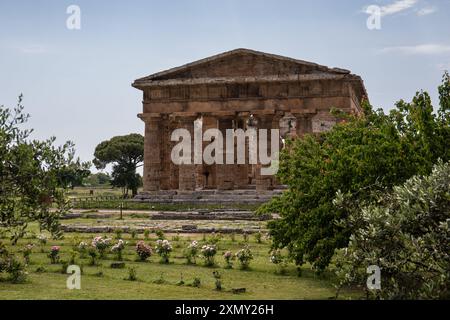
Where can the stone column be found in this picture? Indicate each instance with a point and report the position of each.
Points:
(165, 154)
(206, 174)
(187, 172)
(242, 170)
(225, 175)
(174, 169)
(152, 153)
(304, 124)
(276, 125)
(264, 183)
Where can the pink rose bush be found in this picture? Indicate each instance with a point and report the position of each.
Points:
(228, 257)
(54, 254)
(143, 251)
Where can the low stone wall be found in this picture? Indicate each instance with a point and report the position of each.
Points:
(243, 196)
(184, 229)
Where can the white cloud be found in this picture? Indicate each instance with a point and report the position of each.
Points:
(426, 11)
(443, 66)
(397, 6)
(33, 49)
(421, 49)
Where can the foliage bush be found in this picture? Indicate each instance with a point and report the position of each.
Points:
(101, 244)
(163, 249)
(209, 251)
(26, 252)
(118, 248)
(12, 266)
(244, 256)
(191, 252)
(358, 156)
(406, 233)
(278, 259)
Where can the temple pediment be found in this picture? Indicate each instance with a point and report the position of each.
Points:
(241, 63)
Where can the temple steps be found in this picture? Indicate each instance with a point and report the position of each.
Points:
(244, 196)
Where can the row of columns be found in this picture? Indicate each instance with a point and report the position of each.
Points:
(160, 173)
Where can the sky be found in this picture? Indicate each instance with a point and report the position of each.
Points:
(77, 82)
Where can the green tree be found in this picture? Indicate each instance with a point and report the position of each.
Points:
(125, 153)
(74, 174)
(358, 156)
(406, 233)
(30, 176)
(96, 179)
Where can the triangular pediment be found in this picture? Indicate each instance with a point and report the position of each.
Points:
(241, 63)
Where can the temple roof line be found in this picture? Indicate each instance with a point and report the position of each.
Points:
(318, 67)
(229, 80)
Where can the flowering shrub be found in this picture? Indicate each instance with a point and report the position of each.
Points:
(163, 248)
(277, 258)
(244, 256)
(191, 252)
(143, 251)
(258, 237)
(82, 248)
(27, 252)
(228, 256)
(42, 239)
(118, 248)
(209, 251)
(54, 254)
(101, 244)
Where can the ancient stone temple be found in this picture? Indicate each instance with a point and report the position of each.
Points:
(237, 89)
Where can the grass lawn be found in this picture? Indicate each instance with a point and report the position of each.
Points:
(102, 282)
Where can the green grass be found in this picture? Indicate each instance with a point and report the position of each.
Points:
(261, 281)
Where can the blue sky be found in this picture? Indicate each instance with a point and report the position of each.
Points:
(77, 83)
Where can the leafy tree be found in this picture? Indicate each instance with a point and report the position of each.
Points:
(74, 174)
(358, 156)
(126, 153)
(406, 233)
(30, 176)
(98, 178)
